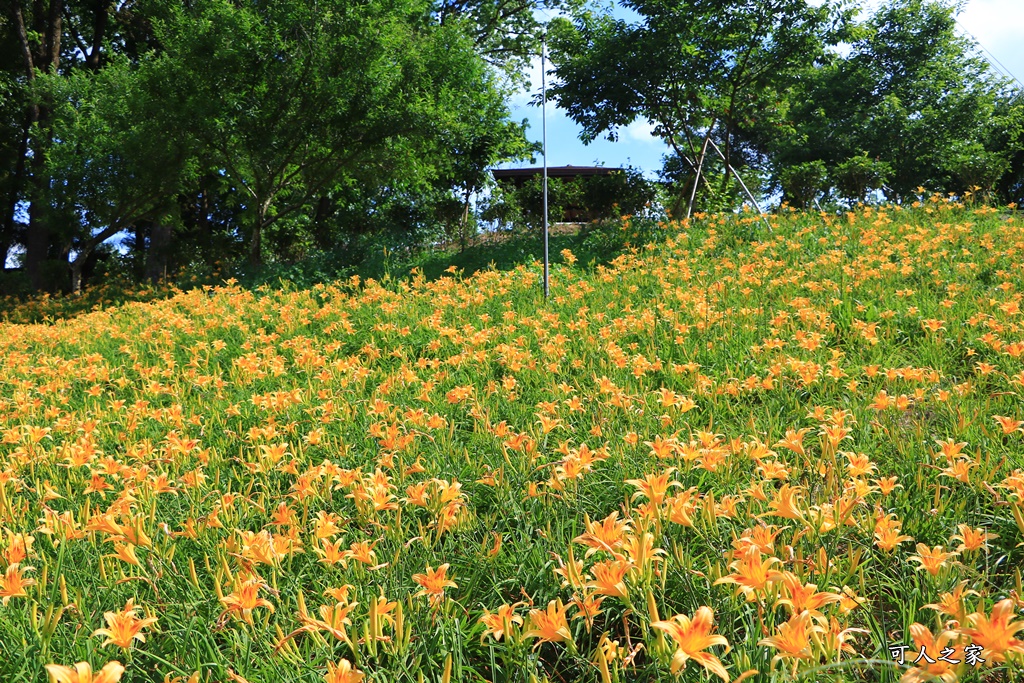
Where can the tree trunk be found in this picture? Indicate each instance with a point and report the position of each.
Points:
(8, 230)
(37, 237)
(76, 274)
(256, 246)
(101, 13)
(159, 246)
(139, 250)
(256, 243)
(205, 228)
(46, 24)
(321, 230)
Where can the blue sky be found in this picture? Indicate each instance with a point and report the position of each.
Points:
(996, 24)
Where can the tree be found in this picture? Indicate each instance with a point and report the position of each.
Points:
(353, 90)
(910, 93)
(212, 122)
(802, 183)
(113, 164)
(858, 176)
(42, 42)
(1005, 135)
(478, 135)
(702, 71)
(13, 158)
(505, 32)
(583, 198)
(37, 35)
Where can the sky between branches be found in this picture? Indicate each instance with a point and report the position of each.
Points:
(994, 23)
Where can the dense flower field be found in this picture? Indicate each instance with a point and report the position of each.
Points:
(737, 455)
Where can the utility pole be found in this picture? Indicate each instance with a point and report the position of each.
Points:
(544, 143)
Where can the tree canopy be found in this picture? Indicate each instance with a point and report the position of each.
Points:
(805, 98)
(222, 125)
(911, 94)
(193, 134)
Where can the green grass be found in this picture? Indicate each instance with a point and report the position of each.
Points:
(206, 411)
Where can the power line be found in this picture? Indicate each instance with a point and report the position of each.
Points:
(991, 59)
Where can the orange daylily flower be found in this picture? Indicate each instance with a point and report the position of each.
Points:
(1009, 425)
(342, 672)
(587, 609)
(887, 532)
(800, 597)
(609, 578)
(362, 551)
(83, 673)
(13, 583)
(952, 604)
(691, 638)
(887, 485)
(549, 626)
(571, 573)
(794, 440)
(996, 633)
(331, 552)
(932, 668)
(653, 486)
(434, 583)
(750, 574)
(794, 639)
(501, 622)
(604, 535)
(19, 545)
(244, 599)
(971, 539)
(124, 627)
(786, 503)
(931, 559)
(333, 618)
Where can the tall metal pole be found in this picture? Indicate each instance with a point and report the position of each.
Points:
(544, 136)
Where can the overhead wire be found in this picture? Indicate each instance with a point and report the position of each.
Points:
(989, 57)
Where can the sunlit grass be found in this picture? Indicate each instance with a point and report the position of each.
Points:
(736, 453)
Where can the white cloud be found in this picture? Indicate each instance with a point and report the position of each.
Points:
(641, 131)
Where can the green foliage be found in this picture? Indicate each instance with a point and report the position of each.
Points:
(606, 239)
(702, 71)
(623, 193)
(506, 33)
(678, 177)
(12, 120)
(351, 91)
(910, 93)
(215, 130)
(977, 168)
(860, 175)
(113, 163)
(1006, 134)
(582, 199)
(803, 183)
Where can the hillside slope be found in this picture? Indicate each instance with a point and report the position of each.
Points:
(806, 441)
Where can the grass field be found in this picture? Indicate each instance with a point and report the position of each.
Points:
(735, 454)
